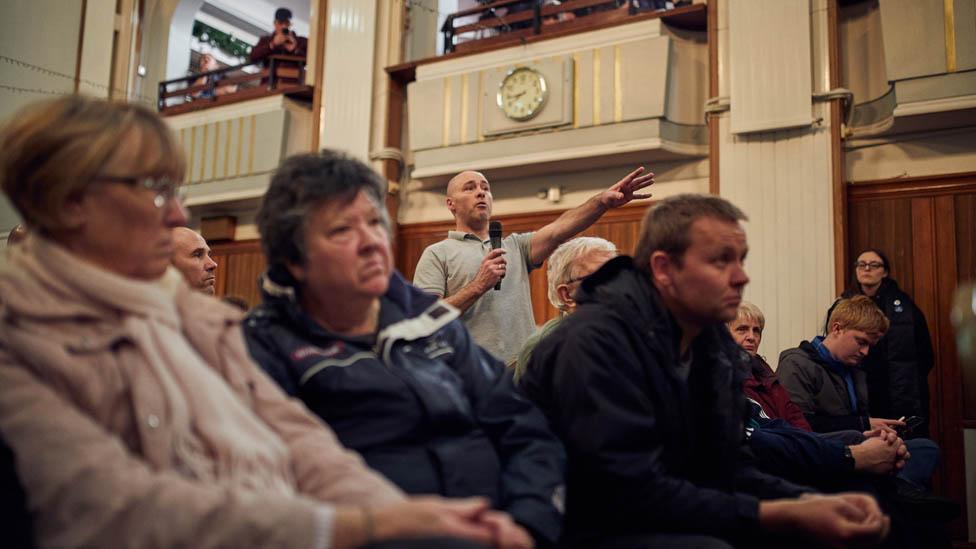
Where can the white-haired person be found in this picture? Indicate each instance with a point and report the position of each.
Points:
(129, 401)
(569, 264)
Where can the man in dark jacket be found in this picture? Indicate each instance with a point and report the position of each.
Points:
(283, 41)
(643, 383)
(822, 376)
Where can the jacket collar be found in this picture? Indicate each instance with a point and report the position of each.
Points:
(424, 313)
(620, 285)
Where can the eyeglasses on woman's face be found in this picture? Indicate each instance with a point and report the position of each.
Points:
(868, 265)
(164, 189)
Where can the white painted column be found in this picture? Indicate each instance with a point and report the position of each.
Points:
(782, 180)
(348, 81)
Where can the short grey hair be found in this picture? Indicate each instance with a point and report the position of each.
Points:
(302, 183)
(562, 261)
(749, 311)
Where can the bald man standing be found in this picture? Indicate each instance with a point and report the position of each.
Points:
(191, 256)
(463, 269)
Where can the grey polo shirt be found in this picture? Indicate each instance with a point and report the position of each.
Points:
(500, 321)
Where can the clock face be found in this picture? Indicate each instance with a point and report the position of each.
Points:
(522, 93)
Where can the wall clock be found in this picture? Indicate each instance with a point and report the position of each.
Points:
(522, 93)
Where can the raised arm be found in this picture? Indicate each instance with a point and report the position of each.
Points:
(548, 238)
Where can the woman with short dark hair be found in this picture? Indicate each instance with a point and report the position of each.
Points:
(389, 367)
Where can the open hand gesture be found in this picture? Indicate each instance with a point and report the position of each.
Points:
(625, 190)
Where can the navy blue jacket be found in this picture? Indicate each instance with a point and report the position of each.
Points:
(424, 405)
(648, 452)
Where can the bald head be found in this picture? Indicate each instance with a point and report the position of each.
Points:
(458, 180)
(469, 200)
(191, 255)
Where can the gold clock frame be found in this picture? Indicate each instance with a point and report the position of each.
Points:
(499, 100)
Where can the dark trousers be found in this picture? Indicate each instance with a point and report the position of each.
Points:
(664, 541)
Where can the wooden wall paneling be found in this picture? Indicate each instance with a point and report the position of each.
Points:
(239, 264)
(220, 279)
(946, 374)
(965, 234)
(926, 225)
(965, 214)
(923, 291)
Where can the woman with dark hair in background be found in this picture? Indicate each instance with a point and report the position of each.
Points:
(898, 365)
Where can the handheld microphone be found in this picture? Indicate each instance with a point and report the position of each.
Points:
(495, 234)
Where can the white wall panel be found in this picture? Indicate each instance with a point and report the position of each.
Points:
(781, 180)
(770, 82)
(346, 102)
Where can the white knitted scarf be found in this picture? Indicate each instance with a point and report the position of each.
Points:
(217, 438)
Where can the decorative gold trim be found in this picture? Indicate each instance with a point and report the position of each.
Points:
(213, 168)
(464, 108)
(576, 90)
(618, 105)
(227, 150)
(596, 87)
(193, 152)
(950, 34)
(446, 122)
(250, 158)
(481, 106)
(240, 145)
(203, 152)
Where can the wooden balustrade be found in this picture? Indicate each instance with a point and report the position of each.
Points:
(284, 74)
(498, 22)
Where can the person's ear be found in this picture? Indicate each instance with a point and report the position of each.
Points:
(297, 272)
(835, 329)
(565, 295)
(661, 267)
(450, 204)
(73, 215)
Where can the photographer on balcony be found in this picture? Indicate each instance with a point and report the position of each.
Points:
(283, 41)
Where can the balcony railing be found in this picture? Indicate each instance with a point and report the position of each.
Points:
(283, 74)
(504, 21)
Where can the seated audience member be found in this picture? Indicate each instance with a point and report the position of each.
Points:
(763, 386)
(191, 257)
(569, 264)
(807, 457)
(898, 365)
(130, 405)
(389, 367)
(209, 63)
(824, 380)
(283, 41)
(835, 461)
(643, 385)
